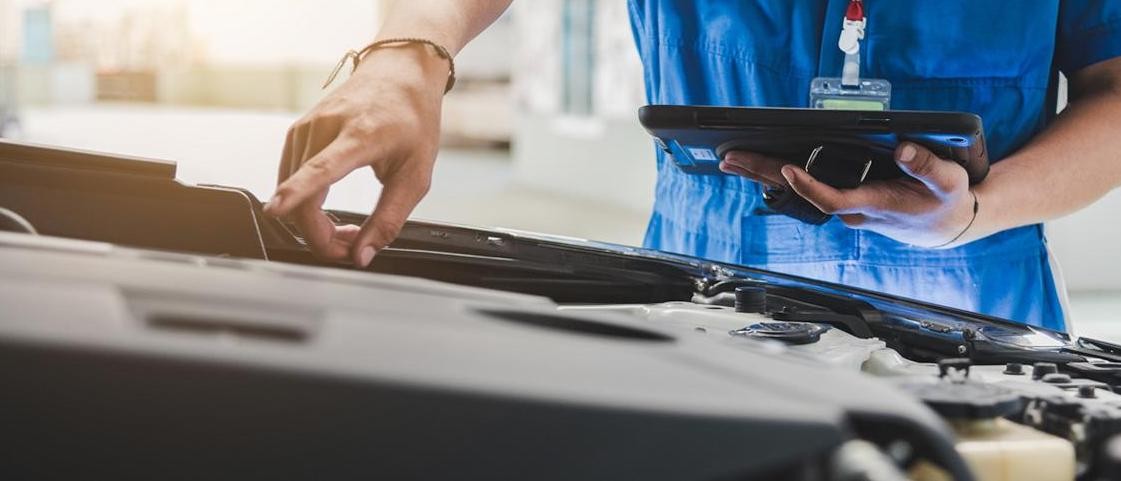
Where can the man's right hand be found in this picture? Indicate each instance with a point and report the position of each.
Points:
(385, 116)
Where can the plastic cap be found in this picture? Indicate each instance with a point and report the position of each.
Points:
(1041, 369)
(751, 299)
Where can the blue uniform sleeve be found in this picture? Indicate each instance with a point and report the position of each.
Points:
(1089, 32)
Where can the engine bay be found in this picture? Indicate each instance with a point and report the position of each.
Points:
(184, 315)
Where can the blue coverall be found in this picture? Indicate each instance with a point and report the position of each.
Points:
(997, 58)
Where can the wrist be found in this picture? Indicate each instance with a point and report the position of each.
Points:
(999, 210)
(965, 230)
(995, 215)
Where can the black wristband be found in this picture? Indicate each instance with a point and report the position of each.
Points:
(787, 202)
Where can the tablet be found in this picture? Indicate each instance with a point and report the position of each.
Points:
(697, 137)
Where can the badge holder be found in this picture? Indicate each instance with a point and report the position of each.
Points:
(839, 165)
(865, 94)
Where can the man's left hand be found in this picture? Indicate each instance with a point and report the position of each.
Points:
(929, 208)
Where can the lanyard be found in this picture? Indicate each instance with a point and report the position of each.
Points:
(852, 32)
(850, 92)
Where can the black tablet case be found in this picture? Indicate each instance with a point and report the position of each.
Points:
(697, 137)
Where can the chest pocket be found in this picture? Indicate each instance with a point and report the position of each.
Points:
(961, 39)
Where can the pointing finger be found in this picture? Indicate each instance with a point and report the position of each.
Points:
(734, 169)
(314, 176)
(760, 167)
(825, 197)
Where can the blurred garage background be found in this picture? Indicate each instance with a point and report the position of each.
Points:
(540, 133)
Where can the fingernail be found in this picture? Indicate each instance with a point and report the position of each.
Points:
(273, 203)
(788, 172)
(907, 153)
(365, 256)
(723, 167)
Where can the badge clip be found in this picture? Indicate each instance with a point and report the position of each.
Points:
(850, 92)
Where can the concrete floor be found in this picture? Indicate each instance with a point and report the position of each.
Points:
(470, 186)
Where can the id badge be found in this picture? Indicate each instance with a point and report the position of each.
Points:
(868, 94)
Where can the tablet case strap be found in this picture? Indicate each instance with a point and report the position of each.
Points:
(841, 166)
(789, 203)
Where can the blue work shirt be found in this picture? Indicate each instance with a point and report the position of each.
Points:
(997, 58)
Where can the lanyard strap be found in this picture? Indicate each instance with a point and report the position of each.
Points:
(852, 32)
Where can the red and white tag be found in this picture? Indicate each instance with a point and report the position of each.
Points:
(852, 30)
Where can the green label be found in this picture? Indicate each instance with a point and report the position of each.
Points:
(843, 104)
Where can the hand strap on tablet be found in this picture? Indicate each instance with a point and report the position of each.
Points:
(837, 165)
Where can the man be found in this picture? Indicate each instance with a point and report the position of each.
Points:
(917, 237)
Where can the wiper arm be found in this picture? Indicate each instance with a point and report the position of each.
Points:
(1087, 346)
(1100, 345)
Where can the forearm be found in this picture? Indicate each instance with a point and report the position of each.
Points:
(451, 23)
(1068, 166)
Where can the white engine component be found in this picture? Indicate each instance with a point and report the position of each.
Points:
(836, 347)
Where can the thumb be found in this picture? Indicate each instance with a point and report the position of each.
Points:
(940, 175)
